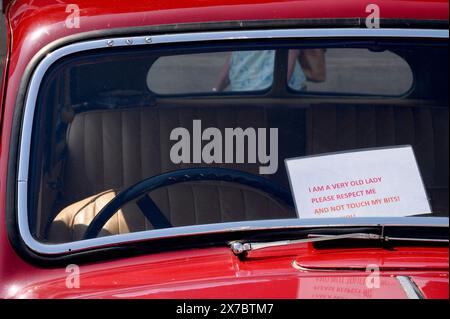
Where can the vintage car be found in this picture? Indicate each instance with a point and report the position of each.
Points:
(144, 148)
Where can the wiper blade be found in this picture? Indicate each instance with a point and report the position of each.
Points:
(242, 248)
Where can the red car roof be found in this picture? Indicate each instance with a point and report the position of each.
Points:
(119, 13)
(43, 21)
(179, 11)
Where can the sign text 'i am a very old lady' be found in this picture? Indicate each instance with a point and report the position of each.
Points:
(367, 183)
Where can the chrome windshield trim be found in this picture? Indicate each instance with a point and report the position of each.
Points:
(409, 287)
(277, 224)
(49, 59)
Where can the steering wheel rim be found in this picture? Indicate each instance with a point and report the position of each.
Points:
(182, 176)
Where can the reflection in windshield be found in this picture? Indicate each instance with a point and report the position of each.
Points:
(253, 71)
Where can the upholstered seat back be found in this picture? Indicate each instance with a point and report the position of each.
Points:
(113, 149)
(109, 150)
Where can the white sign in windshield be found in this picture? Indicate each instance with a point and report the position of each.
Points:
(368, 183)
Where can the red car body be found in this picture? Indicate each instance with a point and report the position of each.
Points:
(207, 272)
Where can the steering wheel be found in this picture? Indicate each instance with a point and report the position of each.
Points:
(152, 212)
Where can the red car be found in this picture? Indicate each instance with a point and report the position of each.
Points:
(143, 148)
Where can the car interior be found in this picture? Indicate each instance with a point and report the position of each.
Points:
(99, 128)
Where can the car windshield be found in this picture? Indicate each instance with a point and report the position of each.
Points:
(216, 124)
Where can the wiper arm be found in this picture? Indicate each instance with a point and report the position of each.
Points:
(242, 248)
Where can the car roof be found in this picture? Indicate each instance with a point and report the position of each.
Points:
(96, 14)
(282, 9)
(33, 24)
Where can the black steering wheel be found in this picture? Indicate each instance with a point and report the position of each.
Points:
(152, 212)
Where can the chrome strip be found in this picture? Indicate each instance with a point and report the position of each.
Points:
(410, 288)
(296, 265)
(25, 142)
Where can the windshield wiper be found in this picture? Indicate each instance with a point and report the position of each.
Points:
(242, 248)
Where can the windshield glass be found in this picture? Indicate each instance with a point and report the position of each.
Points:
(219, 123)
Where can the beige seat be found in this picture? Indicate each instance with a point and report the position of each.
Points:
(113, 149)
